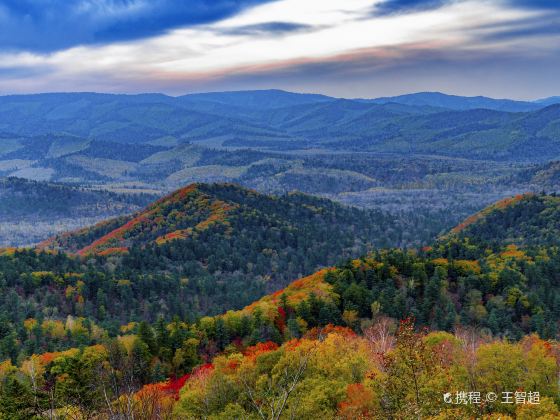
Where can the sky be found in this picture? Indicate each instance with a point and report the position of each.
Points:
(344, 48)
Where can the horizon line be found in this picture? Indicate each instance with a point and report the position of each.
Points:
(535, 100)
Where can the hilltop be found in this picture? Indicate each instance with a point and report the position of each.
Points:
(208, 211)
(438, 99)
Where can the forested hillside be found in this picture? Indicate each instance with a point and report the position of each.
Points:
(529, 219)
(346, 341)
(202, 213)
(201, 250)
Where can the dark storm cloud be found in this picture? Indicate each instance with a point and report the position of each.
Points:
(51, 25)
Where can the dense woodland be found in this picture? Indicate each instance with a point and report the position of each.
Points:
(347, 341)
(224, 262)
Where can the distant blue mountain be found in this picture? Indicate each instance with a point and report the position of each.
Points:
(274, 99)
(257, 99)
(99, 126)
(548, 101)
(117, 118)
(458, 103)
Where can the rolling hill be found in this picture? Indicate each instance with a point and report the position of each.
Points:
(549, 101)
(117, 118)
(232, 214)
(256, 99)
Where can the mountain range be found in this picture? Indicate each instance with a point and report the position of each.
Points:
(438, 157)
(419, 123)
(269, 140)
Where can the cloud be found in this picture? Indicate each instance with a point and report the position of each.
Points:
(523, 29)
(535, 4)
(17, 72)
(270, 28)
(52, 25)
(338, 47)
(389, 7)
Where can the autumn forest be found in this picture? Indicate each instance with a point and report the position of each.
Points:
(189, 309)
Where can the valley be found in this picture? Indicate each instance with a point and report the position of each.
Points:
(31, 211)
